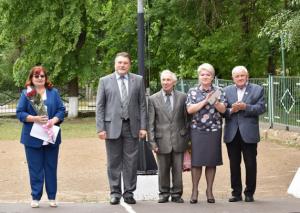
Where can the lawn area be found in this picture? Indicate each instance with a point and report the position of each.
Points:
(10, 129)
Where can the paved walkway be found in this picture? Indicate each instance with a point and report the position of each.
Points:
(284, 205)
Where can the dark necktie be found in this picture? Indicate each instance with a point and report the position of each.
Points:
(168, 102)
(124, 99)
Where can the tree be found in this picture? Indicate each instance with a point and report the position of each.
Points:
(58, 34)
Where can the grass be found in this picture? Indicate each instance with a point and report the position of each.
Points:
(10, 129)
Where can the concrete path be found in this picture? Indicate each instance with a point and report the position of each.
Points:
(284, 205)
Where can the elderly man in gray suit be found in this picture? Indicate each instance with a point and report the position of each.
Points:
(168, 134)
(120, 121)
(241, 133)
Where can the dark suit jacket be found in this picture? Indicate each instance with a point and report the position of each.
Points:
(247, 120)
(55, 108)
(108, 105)
(168, 131)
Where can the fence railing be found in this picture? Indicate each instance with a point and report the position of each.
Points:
(282, 96)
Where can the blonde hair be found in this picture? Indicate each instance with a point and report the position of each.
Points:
(208, 67)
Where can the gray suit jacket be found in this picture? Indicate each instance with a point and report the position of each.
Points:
(168, 131)
(108, 105)
(247, 120)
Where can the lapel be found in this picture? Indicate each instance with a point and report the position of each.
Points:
(162, 103)
(247, 92)
(131, 80)
(234, 94)
(115, 86)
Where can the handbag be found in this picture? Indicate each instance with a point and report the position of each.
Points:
(187, 161)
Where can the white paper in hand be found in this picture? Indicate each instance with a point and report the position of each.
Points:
(38, 131)
(214, 97)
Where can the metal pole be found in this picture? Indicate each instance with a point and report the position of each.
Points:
(283, 74)
(147, 164)
(282, 53)
(141, 49)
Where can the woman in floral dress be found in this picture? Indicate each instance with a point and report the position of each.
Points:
(206, 129)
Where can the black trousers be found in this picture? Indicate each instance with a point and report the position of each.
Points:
(235, 149)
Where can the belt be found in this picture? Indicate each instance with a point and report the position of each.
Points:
(125, 120)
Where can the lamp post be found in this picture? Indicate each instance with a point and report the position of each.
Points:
(146, 164)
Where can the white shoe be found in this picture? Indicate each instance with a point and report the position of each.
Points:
(34, 204)
(52, 203)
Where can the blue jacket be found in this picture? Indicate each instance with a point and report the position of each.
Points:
(245, 120)
(55, 108)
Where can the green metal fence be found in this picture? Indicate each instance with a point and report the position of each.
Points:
(282, 96)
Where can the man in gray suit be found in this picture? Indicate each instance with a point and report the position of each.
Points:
(120, 121)
(168, 134)
(241, 133)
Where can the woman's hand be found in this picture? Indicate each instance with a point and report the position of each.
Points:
(42, 119)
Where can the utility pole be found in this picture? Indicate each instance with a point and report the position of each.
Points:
(141, 44)
(146, 164)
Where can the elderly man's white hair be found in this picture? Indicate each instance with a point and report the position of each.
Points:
(165, 72)
(238, 69)
(208, 67)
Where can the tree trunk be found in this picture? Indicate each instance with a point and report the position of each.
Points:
(271, 61)
(245, 25)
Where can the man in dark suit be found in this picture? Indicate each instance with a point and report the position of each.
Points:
(168, 136)
(120, 121)
(241, 134)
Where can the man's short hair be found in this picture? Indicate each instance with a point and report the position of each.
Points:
(124, 54)
(239, 68)
(173, 75)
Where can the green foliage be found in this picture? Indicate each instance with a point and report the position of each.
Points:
(58, 34)
(80, 38)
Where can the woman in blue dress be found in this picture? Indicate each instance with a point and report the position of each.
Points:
(206, 129)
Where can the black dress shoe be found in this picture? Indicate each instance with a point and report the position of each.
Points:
(249, 199)
(177, 200)
(163, 200)
(194, 198)
(129, 200)
(235, 199)
(211, 200)
(193, 201)
(114, 200)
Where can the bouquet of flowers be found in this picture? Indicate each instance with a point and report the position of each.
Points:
(40, 108)
(36, 101)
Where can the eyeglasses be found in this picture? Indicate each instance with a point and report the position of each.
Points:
(39, 76)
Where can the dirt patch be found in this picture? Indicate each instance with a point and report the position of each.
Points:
(82, 172)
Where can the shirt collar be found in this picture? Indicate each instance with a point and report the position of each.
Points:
(203, 90)
(164, 93)
(118, 76)
(244, 87)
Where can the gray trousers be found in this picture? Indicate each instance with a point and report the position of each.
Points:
(122, 154)
(170, 164)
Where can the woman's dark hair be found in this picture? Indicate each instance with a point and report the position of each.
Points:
(37, 70)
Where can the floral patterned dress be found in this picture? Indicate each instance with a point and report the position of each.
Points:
(206, 129)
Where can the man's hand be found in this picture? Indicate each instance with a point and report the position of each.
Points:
(142, 133)
(102, 135)
(237, 106)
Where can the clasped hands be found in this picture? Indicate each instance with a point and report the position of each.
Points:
(237, 106)
(43, 119)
